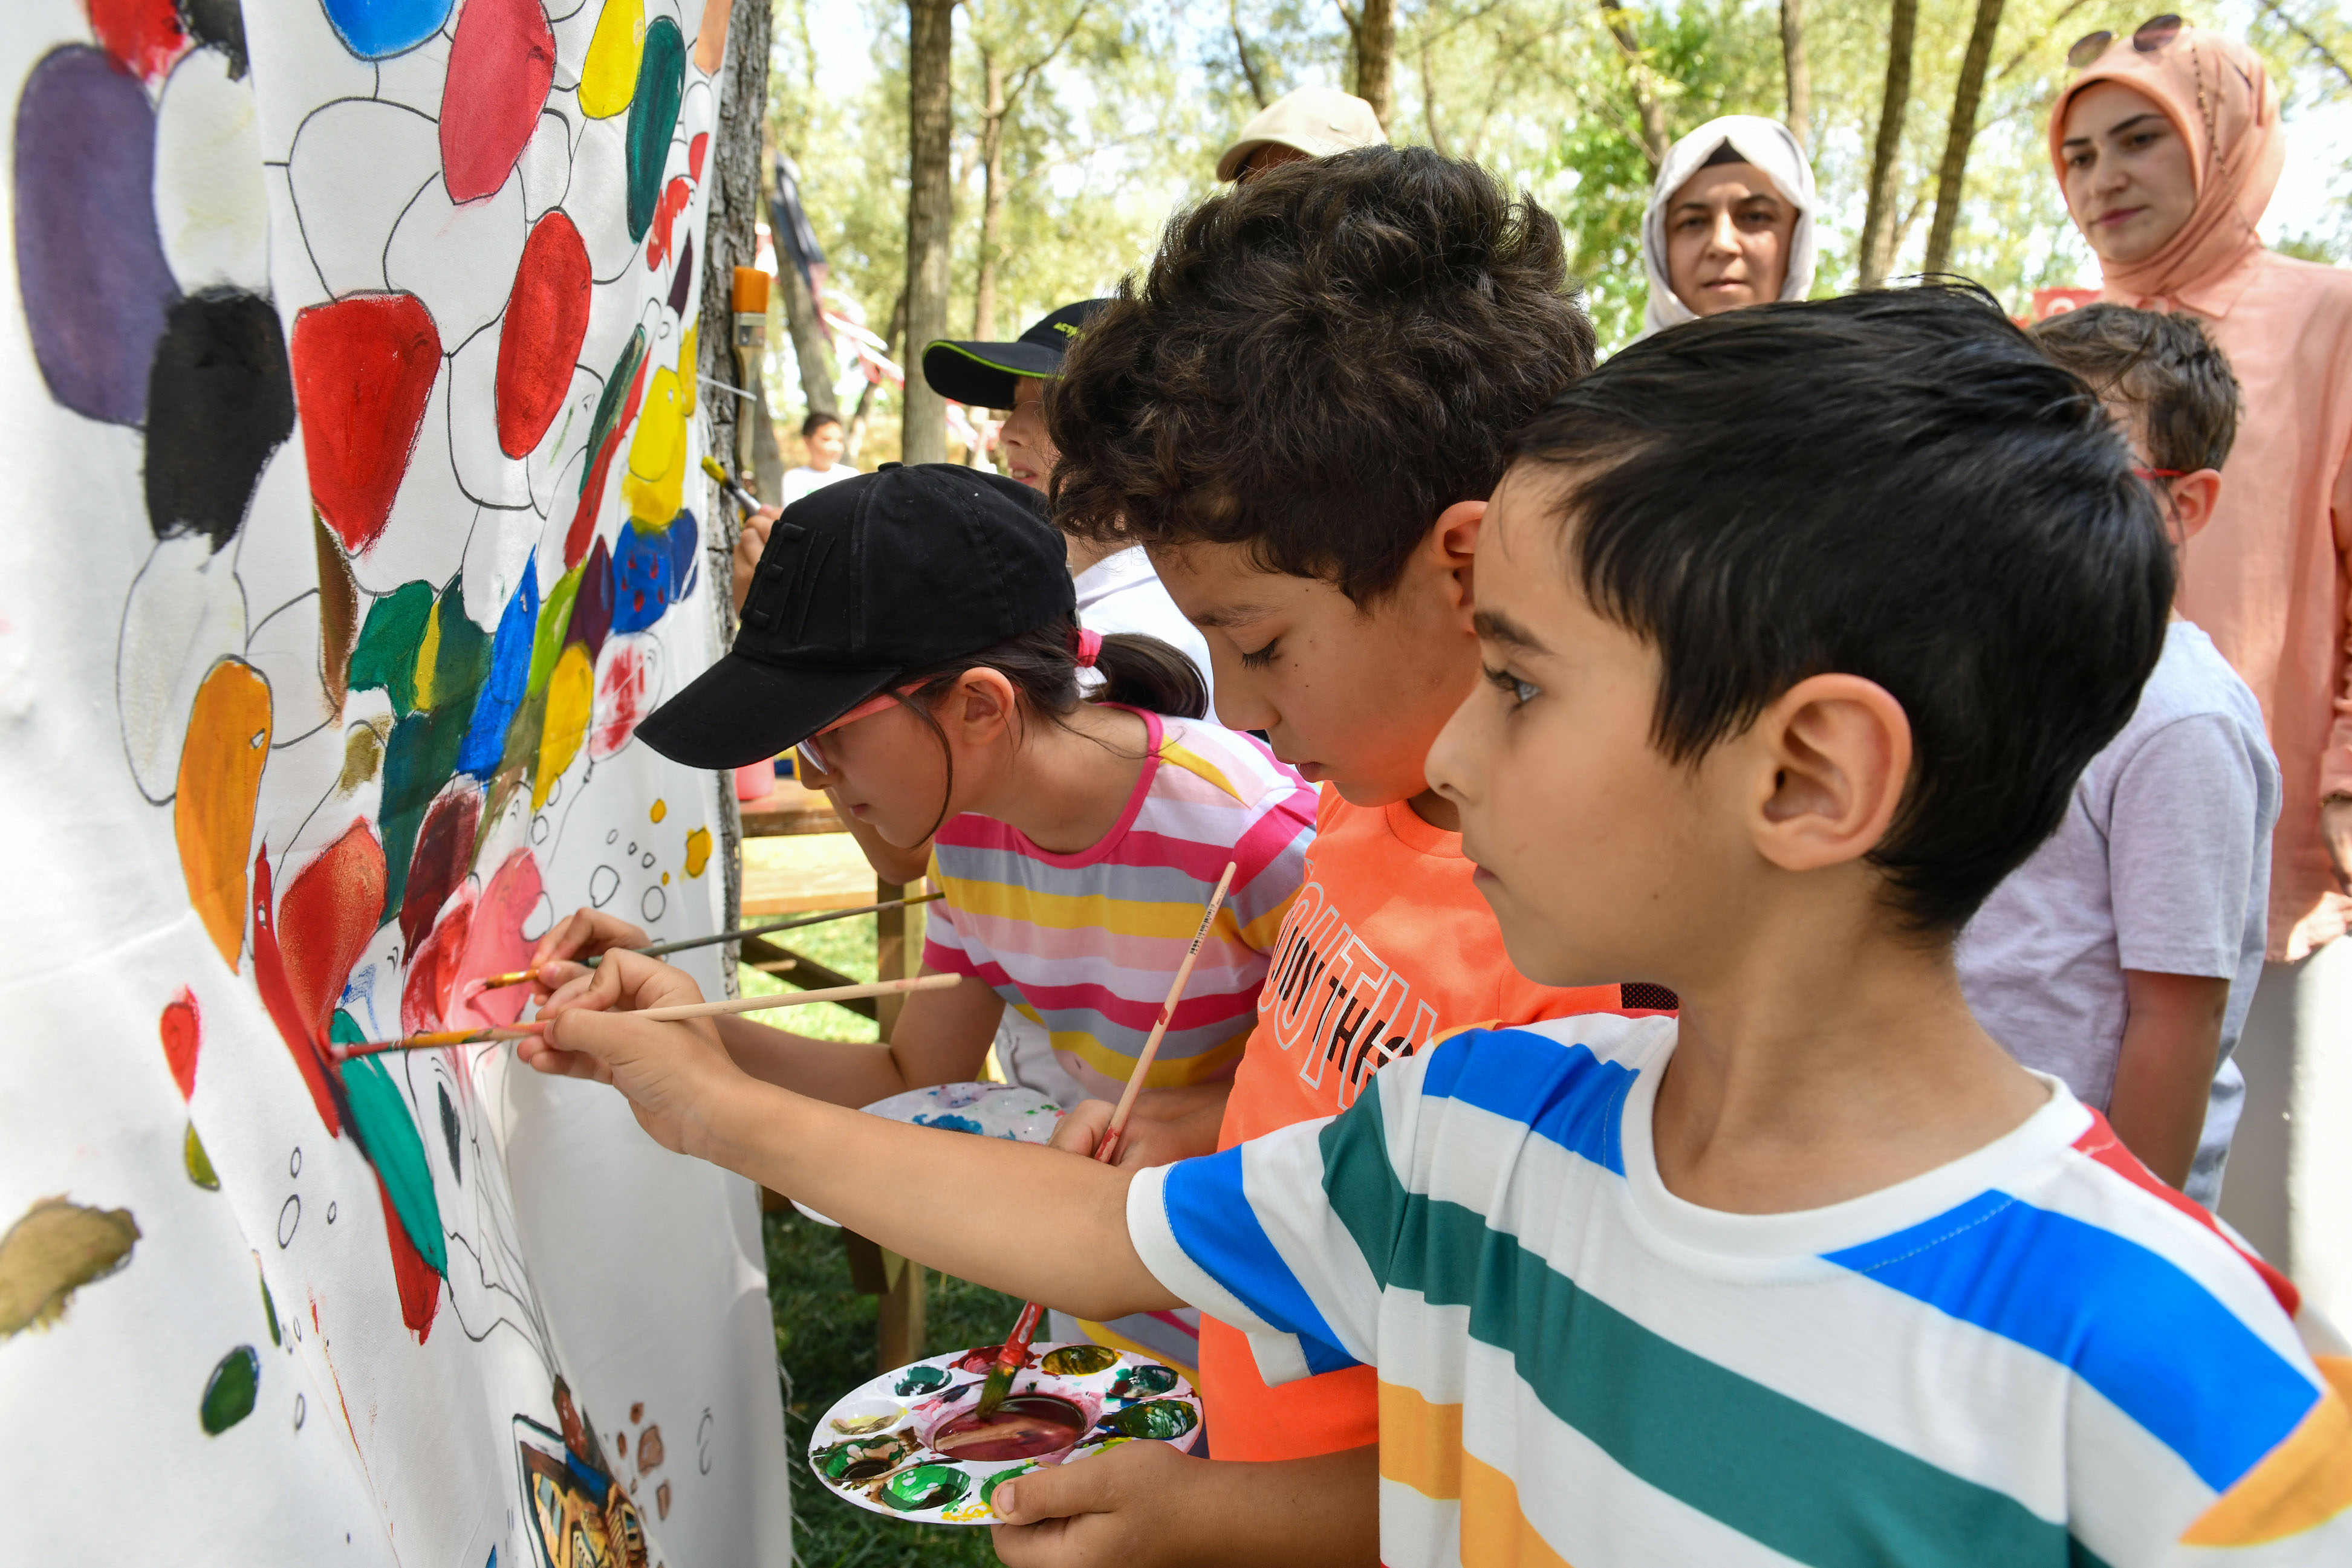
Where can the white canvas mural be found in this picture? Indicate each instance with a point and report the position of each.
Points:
(347, 384)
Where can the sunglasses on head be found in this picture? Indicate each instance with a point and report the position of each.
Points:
(2150, 36)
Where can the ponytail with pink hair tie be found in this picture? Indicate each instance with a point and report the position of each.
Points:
(1085, 647)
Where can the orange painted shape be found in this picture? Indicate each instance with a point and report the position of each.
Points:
(220, 784)
(2300, 1485)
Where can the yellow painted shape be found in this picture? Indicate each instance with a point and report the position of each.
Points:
(2301, 1484)
(664, 879)
(1421, 1443)
(220, 784)
(571, 694)
(697, 851)
(654, 484)
(690, 369)
(428, 653)
(608, 77)
(661, 809)
(54, 1251)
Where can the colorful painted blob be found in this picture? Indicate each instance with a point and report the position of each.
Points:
(502, 65)
(653, 117)
(925, 1486)
(53, 1250)
(220, 400)
(1078, 1360)
(1160, 1420)
(1024, 1426)
(372, 29)
(230, 1391)
(363, 370)
(219, 788)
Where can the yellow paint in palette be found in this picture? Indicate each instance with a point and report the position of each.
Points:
(571, 695)
(608, 76)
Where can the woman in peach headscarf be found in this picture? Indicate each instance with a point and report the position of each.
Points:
(2167, 146)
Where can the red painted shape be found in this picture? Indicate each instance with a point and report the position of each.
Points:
(2101, 1143)
(363, 369)
(501, 64)
(183, 1034)
(144, 36)
(444, 853)
(330, 911)
(591, 495)
(306, 1042)
(420, 1287)
(694, 151)
(432, 982)
(495, 945)
(626, 689)
(547, 318)
(666, 212)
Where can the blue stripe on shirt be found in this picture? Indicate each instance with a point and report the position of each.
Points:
(1215, 1224)
(2120, 1316)
(1577, 1099)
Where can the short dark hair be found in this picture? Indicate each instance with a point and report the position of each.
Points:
(816, 422)
(1897, 485)
(1319, 361)
(2164, 367)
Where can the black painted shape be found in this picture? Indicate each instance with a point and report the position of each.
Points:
(220, 400)
(449, 1129)
(221, 24)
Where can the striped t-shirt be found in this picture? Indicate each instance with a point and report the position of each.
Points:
(1086, 943)
(2032, 1354)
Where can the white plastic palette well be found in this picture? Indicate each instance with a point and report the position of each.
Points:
(875, 1447)
(991, 1110)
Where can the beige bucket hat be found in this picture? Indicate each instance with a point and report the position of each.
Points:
(1317, 120)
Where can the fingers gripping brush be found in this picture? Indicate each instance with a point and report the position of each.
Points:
(1014, 1352)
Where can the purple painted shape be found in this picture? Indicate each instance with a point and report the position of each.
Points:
(592, 612)
(89, 260)
(683, 279)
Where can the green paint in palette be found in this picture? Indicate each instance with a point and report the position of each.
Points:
(919, 1487)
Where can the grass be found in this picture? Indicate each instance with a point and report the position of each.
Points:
(825, 1344)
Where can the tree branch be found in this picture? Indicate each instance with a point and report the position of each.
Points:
(2300, 31)
(1241, 47)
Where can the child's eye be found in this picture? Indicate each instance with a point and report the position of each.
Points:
(1521, 693)
(1262, 657)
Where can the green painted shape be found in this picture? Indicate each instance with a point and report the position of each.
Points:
(269, 1301)
(387, 1135)
(421, 757)
(461, 662)
(653, 117)
(199, 1163)
(1757, 1461)
(230, 1392)
(608, 415)
(1160, 1420)
(385, 655)
(554, 621)
(919, 1487)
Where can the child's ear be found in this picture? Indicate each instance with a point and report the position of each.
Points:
(1838, 751)
(2193, 497)
(1453, 545)
(980, 707)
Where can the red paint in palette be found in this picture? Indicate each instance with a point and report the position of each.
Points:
(1024, 1426)
(501, 64)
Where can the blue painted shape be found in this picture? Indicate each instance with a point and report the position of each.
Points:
(952, 1122)
(2125, 1319)
(641, 578)
(1563, 1092)
(374, 29)
(1214, 1223)
(502, 689)
(685, 540)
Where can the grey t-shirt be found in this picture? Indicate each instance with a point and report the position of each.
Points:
(2162, 866)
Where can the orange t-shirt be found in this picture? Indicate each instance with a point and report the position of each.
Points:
(1387, 946)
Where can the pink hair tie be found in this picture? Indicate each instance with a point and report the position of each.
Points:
(1086, 648)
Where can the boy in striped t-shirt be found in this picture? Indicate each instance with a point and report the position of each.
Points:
(1817, 1273)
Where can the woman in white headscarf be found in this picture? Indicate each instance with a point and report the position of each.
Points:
(1730, 222)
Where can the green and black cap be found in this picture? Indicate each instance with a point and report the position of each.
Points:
(982, 375)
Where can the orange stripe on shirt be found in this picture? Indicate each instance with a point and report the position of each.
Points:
(2301, 1484)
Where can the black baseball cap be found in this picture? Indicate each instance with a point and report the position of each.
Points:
(894, 570)
(982, 375)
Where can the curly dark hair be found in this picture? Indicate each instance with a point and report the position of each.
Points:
(2166, 368)
(1319, 361)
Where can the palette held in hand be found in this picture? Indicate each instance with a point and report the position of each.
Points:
(910, 1443)
(991, 1110)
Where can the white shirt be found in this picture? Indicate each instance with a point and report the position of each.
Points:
(801, 481)
(1121, 592)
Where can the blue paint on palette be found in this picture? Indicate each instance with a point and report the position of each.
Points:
(643, 574)
(374, 29)
(502, 689)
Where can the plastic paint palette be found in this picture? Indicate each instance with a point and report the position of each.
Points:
(879, 1446)
(991, 1110)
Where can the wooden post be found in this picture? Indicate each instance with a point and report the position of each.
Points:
(889, 951)
(898, 1338)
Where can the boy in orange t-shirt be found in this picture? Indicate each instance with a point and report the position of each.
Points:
(1309, 480)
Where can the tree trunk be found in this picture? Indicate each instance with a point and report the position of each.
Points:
(1655, 142)
(930, 211)
(1428, 98)
(730, 239)
(810, 349)
(991, 200)
(1797, 73)
(1952, 178)
(1242, 49)
(1878, 220)
(1372, 33)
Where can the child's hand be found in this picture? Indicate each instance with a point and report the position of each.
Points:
(1167, 1126)
(582, 932)
(676, 1075)
(1124, 1506)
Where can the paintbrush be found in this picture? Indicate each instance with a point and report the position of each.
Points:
(1014, 1352)
(662, 949)
(721, 1008)
(735, 492)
